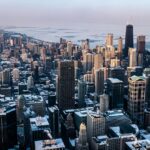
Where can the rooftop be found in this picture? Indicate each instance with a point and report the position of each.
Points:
(49, 144)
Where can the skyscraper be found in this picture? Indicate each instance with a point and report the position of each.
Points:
(128, 39)
(136, 103)
(66, 85)
(99, 81)
(132, 57)
(81, 143)
(115, 91)
(140, 49)
(69, 48)
(104, 103)
(120, 46)
(98, 61)
(81, 92)
(95, 125)
(109, 39)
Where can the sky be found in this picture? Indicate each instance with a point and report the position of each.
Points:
(46, 12)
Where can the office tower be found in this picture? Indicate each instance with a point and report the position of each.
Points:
(69, 48)
(53, 113)
(8, 127)
(48, 64)
(88, 78)
(36, 74)
(16, 40)
(66, 84)
(39, 130)
(109, 53)
(114, 62)
(20, 106)
(132, 57)
(117, 72)
(136, 103)
(128, 39)
(16, 74)
(43, 54)
(6, 77)
(88, 59)
(81, 92)
(52, 99)
(68, 129)
(77, 72)
(99, 81)
(147, 93)
(140, 49)
(38, 106)
(30, 82)
(27, 114)
(109, 39)
(115, 90)
(95, 125)
(98, 61)
(104, 103)
(22, 88)
(120, 47)
(85, 44)
(81, 142)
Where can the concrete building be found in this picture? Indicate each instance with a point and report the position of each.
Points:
(95, 125)
(136, 103)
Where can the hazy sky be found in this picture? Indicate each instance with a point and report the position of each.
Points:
(46, 12)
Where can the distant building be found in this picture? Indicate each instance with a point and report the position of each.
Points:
(99, 81)
(120, 47)
(140, 49)
(109, 39)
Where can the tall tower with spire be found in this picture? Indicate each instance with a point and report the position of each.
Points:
(128, 39)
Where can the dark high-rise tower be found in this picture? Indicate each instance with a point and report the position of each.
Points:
(66, 85)
(128, 39)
